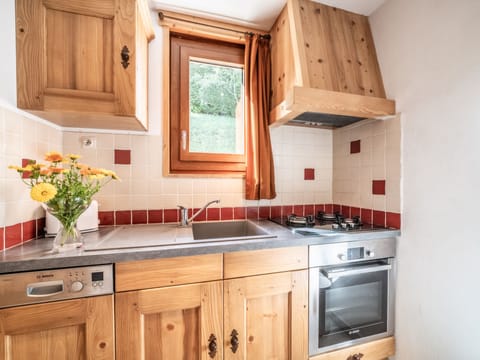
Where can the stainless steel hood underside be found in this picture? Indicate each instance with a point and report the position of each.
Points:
(322, 120)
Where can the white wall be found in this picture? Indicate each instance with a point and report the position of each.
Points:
(429, 55)
(8, 90)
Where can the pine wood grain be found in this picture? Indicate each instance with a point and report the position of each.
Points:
(166, 272)
(245, 263)
(70, 329)
(374, 350)
(270, 314)
(66, 49)
(330, 50)
(169, 323)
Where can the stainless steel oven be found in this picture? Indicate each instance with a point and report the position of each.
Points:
(351, 294)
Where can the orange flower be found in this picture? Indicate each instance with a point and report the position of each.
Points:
(56, 170)
(53, 156)
(45, 172)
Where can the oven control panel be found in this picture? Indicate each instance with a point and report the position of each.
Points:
(52, 285)
(351, 251)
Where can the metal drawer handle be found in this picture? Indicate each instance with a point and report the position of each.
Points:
(45, 289)
(357, 356)
(360, 270)
(125, 56)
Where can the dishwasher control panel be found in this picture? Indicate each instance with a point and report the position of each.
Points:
(53, 285)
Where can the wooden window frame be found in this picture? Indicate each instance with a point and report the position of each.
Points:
(181, 49)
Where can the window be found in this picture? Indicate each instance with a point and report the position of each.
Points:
(207, 127)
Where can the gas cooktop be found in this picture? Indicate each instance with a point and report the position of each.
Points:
(324, 224)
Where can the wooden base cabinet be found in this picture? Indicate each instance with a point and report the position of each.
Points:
(72, 329)
(374, 350)
(266, 317)
(83, 63)
(178, 322)
(234, 306)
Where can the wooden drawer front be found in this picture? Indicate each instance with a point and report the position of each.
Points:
(374, 350)
(146, 274)
(246, 263)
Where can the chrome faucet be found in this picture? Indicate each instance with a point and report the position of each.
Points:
(184, 220)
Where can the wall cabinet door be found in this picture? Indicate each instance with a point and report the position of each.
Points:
(266, 317)
(180, 322)
(83, 62)
(71, 329)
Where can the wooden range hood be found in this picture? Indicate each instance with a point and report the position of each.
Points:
(324, 68)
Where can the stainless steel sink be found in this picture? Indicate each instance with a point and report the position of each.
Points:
(229, 230)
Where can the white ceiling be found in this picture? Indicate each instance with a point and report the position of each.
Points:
(259, 14)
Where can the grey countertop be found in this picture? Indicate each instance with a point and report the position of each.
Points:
(139, 242)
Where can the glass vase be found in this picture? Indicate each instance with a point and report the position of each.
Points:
(68, 238)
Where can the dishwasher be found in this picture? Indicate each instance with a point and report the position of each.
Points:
(57, 314)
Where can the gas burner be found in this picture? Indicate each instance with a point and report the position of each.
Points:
(300, 221)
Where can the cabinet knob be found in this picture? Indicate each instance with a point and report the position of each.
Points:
(125, 55)
(212, 346)
(234, 341)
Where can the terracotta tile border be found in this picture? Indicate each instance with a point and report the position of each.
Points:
(14, 235)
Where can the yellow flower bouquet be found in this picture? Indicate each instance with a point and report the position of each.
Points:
(66, 187)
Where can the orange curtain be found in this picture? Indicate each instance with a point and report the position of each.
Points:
(260, 177)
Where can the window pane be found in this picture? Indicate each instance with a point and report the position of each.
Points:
(216, 109)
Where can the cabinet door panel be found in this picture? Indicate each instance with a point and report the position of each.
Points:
(71, 329)
(169, 323)
(270, 314)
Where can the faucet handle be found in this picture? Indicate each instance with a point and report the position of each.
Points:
(181, 207)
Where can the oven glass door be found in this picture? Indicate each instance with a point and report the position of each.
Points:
(355, 304)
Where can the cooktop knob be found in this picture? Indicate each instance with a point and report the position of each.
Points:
(76, 286)
(342, 257)
(370, 253)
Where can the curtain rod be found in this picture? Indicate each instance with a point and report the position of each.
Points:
(162, 16)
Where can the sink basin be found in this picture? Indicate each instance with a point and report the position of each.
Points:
(229, 230)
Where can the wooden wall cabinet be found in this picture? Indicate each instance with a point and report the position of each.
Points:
(83, 63)
(220, 316)
(70, 329)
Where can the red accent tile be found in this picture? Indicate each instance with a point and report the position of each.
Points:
(239, 213)
(226, 213)
(345, 211)
(123, 217)
(379, 218)
(41, 227)
(366, 216)
(354, 211)
(355, 147)
(378, 187)
(275, 211)
(170, 215)
(155, 216)
(2, 232)
(309, 210)
(13, 235)
(122, 157)
(287, 210)
(337, 208)
(213, 214)
(29, 230)
(328, 208)
(394, 220)
(200, 217)
(298, 209)
(252, 212)
(264, 212)
(25, 162)
(106, 217)
(319, 207)
(309, 174)
(139, 216)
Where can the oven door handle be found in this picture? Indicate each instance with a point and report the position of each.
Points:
(361, 270)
